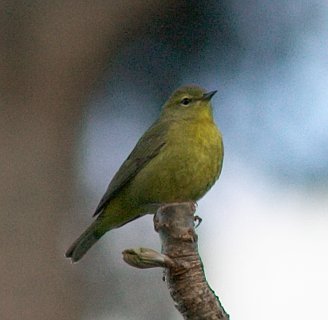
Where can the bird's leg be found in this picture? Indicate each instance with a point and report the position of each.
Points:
(194, 206)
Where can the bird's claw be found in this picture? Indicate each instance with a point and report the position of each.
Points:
(198, 221)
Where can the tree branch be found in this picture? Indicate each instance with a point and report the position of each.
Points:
(184, 272)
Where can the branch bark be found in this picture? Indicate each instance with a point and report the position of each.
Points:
(183, 268)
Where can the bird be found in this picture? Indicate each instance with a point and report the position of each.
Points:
(178, 159)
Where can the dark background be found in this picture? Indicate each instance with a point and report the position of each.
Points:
(81, 81)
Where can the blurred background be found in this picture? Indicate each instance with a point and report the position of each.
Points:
(81, 81)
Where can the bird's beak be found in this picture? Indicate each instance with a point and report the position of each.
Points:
(208, 96)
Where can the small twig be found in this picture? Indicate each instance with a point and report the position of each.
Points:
(182, 265)
(145, 258)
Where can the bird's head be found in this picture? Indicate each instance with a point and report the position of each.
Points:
(190, 101)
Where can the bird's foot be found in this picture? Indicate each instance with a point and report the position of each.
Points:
(198, 221)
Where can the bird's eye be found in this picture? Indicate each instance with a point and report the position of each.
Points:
(185, 101)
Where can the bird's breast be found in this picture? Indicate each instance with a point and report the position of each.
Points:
(197, 156)
(186, 167)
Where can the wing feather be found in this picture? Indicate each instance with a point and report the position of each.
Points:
(148, 147)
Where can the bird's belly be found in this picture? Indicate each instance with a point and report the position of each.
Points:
(179, 173)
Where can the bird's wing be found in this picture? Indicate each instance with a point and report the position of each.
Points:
(147, 148)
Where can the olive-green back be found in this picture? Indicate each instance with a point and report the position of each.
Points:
(147, 148)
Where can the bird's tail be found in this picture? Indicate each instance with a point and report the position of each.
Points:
(86, 240)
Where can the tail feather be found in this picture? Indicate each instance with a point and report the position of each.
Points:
(81, 245)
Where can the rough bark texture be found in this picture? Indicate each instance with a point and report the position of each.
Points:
(183, 268)
(186, 280)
